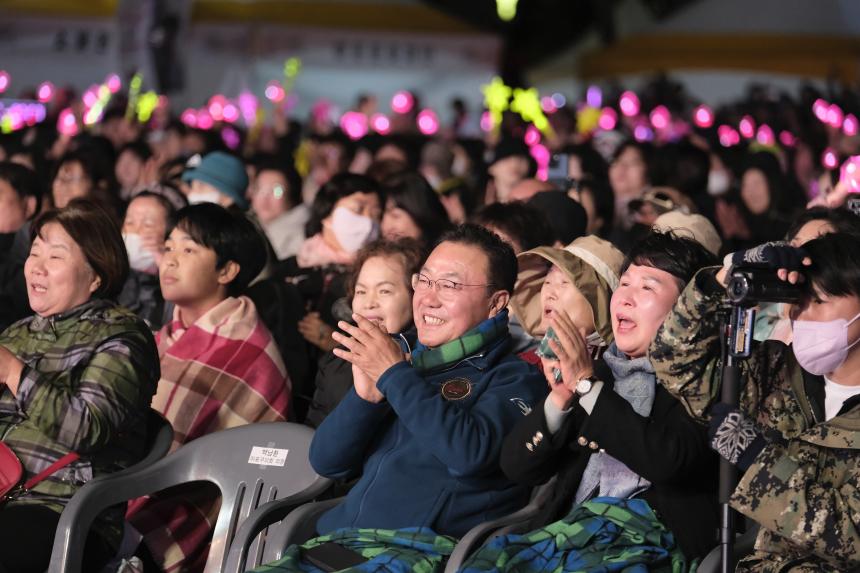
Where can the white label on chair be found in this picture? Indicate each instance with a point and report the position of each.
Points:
(261, 456)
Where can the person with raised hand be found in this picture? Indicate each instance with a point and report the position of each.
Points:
(795, 435)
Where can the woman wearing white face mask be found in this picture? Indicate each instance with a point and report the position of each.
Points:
(796, 435)
(344, 217)
(147, 222)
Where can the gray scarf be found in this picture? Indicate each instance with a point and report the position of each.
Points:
(604, 475)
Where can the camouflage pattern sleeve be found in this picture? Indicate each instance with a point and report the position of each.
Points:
(686, 351)
(806, 498)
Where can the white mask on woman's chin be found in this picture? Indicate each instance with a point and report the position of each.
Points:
(718, 182)
(139, 258)
(352, 230)
(196, 197)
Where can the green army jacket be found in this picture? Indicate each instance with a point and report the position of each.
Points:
(805, 493)
(87, 383)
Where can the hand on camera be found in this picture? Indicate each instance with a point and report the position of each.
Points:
(779, 256)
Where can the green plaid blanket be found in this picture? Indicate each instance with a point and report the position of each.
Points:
(602, 535)
(410, 550)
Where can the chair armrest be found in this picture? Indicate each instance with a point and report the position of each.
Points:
(300, 525)
(482, 532)
(87, 503)
(479, 534)
(268, 514)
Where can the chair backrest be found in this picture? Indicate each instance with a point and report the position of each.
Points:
(251, 465)
(159, 436)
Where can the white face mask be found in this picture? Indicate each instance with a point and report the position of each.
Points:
(434, 181)
(718, 182)
(352, 230)
(460, 166)
(196, 197)
(139, 258)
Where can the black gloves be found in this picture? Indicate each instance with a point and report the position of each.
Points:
(735, 437)
(774, 255)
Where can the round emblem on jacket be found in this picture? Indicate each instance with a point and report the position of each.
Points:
(456, 389)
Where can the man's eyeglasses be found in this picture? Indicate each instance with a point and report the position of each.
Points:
(445, 288)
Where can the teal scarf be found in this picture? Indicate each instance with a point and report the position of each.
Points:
(425, 359)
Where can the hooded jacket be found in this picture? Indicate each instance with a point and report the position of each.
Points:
(804, 492)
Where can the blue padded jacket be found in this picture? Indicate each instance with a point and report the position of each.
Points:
(426, 460)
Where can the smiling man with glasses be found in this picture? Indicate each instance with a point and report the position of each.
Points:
(424, 428)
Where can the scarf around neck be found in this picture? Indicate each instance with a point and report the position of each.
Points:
(635, 382)
(425, 359)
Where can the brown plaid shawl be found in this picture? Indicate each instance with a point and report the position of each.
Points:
(221, 372)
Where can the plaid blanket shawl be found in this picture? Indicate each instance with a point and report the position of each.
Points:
(409, 550)
(601, 535)
(221, 372)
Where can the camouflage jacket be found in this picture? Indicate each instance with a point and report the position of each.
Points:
(805, 493)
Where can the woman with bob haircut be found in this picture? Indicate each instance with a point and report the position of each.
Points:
(412, 209)
(78, 376)
(380, 290)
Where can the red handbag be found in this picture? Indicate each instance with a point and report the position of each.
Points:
(11, 469)
(11, 472)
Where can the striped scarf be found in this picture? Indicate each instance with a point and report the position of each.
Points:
(425, 359)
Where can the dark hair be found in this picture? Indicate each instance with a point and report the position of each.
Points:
(98, 170)
(410, 252)
(139, 148)
(646, 151)
(501, 260)
(604, 201)
(289, 173)
(168, 207)
(232, 236)
(379, 171)
(340, 186)
(783, 198)
(592, 163)
(23, 181)
(835, 269)
(412, 193)
(98, 235)
(522, 223)
(686, 168)
(842, 220)
(681, 257)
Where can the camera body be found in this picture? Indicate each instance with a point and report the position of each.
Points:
(750, 285)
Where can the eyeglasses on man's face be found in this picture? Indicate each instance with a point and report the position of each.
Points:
(445, 288)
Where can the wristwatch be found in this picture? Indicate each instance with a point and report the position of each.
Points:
(584, 385)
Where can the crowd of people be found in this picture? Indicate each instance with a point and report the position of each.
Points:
(457, 331)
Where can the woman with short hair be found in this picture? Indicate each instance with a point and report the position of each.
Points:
(78, 377)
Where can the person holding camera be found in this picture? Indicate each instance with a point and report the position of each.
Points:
(796, 434)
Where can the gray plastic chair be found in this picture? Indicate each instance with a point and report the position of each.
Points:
(159, 437)
(242, 462)
(516, 522)
(299, 525)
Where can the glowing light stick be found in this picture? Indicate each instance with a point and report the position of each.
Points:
(526, 102)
